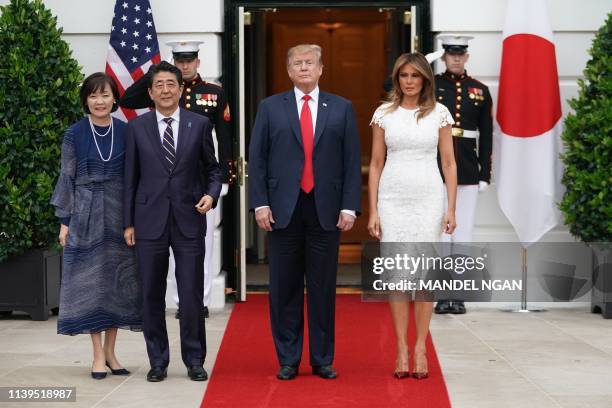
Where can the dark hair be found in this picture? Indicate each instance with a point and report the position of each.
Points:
(97, 82)
(164, 67)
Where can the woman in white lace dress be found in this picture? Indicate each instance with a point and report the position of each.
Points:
(406, 192)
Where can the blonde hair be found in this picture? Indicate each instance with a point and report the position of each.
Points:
(427, 97)
(303, 49)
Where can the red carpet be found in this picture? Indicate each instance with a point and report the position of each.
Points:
(244, 373)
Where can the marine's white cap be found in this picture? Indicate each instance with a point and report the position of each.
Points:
(184, 49)
(455, 44)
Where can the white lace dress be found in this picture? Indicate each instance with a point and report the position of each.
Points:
(411, 191)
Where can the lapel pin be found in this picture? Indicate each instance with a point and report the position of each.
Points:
(324, 104)
(188, 124)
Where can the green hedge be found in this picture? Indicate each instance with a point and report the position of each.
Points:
(587, 204)
(39, 83)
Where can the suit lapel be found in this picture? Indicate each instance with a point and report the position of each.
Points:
(292, 115)
(154, 137)
(183, 136)
(322, 112)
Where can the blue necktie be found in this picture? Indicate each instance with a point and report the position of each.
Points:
(168, 144)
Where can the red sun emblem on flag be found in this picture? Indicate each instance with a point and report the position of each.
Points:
(529, 102)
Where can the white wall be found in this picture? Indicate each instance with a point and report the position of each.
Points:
(488, 15)
(574, 25)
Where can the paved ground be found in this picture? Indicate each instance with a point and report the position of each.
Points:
(560, 358)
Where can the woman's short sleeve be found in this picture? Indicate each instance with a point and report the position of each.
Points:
(444, 115)
(379, 116)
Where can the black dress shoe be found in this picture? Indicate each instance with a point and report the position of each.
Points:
(443, 307)
(206, 314)
(157, 374)
(287, 373)
(118, 371)
(177, 315)
(197, 373)
(458, 307)
(326, 371)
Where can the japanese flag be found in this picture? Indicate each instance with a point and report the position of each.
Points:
(527, 166)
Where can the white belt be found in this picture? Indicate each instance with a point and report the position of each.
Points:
(470, 134)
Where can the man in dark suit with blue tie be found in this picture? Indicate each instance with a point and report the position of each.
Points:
(169, 153)
(305, 188)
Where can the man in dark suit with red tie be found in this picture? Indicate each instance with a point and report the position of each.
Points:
(169, 152)
(305, 188)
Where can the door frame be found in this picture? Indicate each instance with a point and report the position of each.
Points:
(230, 35)
(231, 71)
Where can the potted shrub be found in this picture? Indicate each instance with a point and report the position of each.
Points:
(38, 101)
(587, 203)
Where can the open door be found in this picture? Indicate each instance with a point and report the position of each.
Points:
(361, 42)
(241, 166)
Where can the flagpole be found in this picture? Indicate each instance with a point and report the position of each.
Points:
(524, 291)
(527, 146)
(524, 307)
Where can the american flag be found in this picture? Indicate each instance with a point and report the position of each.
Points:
(132, 48)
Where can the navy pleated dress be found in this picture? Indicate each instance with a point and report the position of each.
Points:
(100, 287)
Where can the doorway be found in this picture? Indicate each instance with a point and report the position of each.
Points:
(354, 44)
(360, 44)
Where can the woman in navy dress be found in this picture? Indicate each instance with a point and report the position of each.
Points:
(100, 291)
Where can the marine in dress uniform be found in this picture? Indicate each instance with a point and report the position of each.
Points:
(469, 101)
(206, 99)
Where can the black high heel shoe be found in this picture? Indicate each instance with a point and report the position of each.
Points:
(118, 371)
(98, 375)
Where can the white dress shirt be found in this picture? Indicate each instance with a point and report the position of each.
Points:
(313, 104)
(163, 125)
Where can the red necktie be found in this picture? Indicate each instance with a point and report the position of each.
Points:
(307, 183)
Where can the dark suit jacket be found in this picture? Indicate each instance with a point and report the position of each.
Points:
(151, 190)
(276, 158)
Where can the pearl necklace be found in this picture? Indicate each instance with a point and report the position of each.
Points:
(94, 133)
